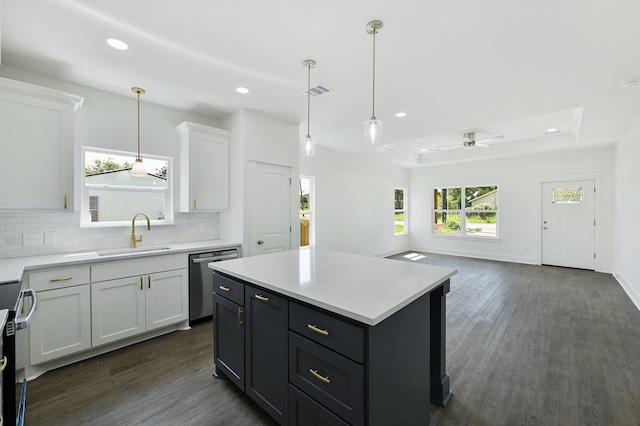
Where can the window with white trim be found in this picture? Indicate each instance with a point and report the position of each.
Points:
(400, 212)
(111, 197)
(466, 211)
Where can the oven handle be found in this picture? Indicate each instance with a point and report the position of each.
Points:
(23, 322)
(214, 258)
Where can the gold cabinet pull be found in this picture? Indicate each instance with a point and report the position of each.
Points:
(149, 280)
(65, 201)
(3, 364)
(224, 288)
(240, 311)
(55, 280)
(195, 203)
(141, 284)
(318, 330)
(262, 298)
(315, 374)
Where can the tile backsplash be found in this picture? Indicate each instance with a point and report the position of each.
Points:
(28, 233)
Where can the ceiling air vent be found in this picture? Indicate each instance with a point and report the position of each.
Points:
(318, 90)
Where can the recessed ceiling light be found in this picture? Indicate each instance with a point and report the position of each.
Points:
(117, 44)
(424, 150)
(242, 90)
(401, 114)
(552, 131)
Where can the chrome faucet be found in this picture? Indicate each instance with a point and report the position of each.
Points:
(134, 239)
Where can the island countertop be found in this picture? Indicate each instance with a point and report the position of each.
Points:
(364, 288)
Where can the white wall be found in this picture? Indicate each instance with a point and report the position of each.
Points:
(627, 212)
(354, 202)
(107, 121)
(257, 138)
(519, 181)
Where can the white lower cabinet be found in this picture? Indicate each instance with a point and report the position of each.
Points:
(129, 306)
(85, 310)
(61, 323)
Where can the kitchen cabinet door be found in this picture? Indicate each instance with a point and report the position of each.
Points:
(117, 309)
(61, 323)
(37, 129)
(204, 168)
(266, 352)
(167, 298)
(228, 340)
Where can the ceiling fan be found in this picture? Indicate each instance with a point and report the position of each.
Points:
(469, 141)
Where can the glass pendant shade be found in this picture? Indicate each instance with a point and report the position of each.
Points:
(308, 146)
(373, 131)
(138, 168)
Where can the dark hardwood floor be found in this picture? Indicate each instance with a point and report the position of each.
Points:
(526, 345)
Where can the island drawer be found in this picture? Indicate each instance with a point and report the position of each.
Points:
(59, 278)
(331, 379)
(228, 288)
(305, 411)
(334, 333)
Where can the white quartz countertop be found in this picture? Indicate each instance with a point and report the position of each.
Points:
(12, 269)
(364, 288)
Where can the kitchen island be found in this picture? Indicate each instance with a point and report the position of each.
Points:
(322, 336)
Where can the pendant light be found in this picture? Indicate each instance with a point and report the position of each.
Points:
(138, 167)
(373, 126)
(308, 144)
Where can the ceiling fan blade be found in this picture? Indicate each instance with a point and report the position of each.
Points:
(447, 147)
(491, 139)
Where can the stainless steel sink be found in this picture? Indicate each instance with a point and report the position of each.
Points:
(116, 252)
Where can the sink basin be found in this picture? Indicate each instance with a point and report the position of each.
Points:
(116, 252)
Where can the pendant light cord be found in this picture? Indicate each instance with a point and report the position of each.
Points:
(308, 98)
(373, 103)
(139, 158)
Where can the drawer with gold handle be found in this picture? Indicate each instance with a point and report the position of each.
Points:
(41, 280)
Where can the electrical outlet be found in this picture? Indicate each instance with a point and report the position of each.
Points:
(50, 237)
(32, 239)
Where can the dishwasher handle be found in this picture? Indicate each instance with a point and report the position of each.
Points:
(215, 258)
(23, 322)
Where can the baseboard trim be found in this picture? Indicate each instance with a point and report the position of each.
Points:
(628, 288)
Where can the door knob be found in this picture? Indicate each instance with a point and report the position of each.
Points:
(260, 242)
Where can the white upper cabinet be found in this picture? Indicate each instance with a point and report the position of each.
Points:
(37, 139)
(204, 167)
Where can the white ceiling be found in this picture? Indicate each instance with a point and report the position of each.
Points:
(494, 67)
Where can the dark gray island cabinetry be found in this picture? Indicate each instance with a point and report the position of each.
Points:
(321, 337)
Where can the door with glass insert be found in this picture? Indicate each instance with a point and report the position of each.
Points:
(568, 224)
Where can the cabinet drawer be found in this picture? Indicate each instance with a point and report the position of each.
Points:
(59, 278)
(331, 379)
(341, 336)
(305, 411)
(228, 288)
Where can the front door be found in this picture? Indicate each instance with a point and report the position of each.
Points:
(272, 208)
(568, 224)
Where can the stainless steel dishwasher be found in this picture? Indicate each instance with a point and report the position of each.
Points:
(201, 281)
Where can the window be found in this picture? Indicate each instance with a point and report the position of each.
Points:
(479, 217)
(400, 213)
(306, 211)
(111, 197)
(566, 195)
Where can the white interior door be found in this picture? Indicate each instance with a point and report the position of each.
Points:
(272, 208)
(568, 224)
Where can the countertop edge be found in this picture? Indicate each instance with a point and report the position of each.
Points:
(318, 303)
(12, 270)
